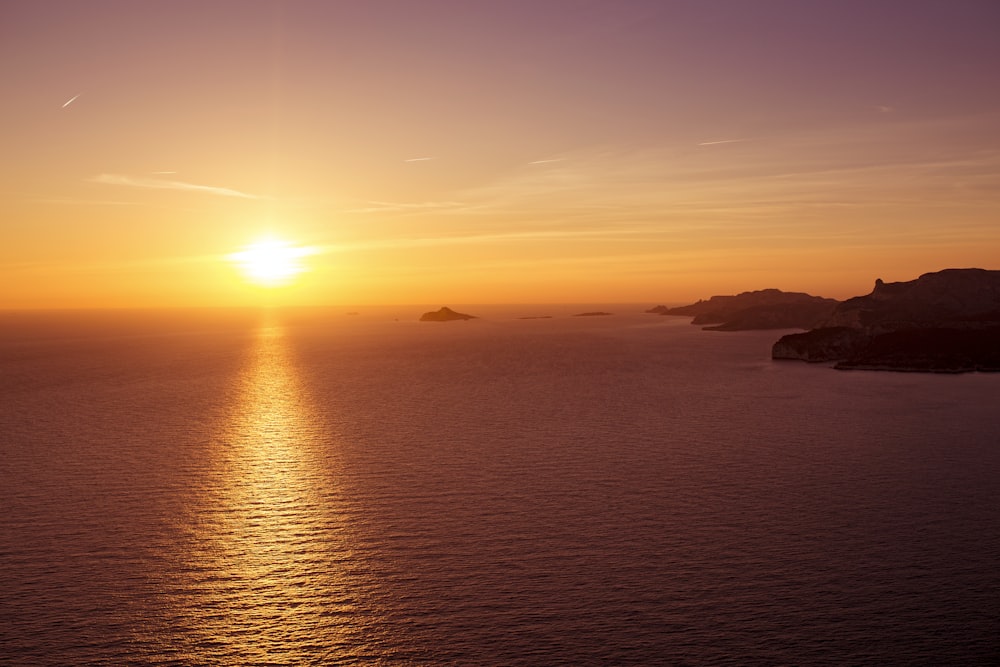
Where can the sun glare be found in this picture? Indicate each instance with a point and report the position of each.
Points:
(271, 262)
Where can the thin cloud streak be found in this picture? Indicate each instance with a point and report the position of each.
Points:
(162, 184)
(149, 263)
(418, 159)
(71, 100)
(86, 202)
(723, 141)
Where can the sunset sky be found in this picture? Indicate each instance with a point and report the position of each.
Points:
(465, 151)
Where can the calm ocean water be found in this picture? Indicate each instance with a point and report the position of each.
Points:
(311, 488)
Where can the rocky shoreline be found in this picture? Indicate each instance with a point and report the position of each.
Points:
(943, 322)
(932, 350)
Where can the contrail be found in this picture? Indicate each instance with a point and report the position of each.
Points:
(556, 159)
(71, 100)
(418, 159)
(723, 141)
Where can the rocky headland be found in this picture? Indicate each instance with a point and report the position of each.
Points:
(947, 321)
(762, 309)
(445, 314)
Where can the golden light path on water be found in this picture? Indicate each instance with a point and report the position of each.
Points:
(279, 578)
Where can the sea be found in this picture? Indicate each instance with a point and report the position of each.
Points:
(323, 487)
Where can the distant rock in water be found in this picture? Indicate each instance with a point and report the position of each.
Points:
(445, 314)
(536, 317)
(762, 309)
(595, 313)
(658, 310)
(948, 321)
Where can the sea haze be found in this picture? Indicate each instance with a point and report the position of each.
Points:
(312, 487)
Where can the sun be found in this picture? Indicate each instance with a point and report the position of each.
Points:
(271, 262)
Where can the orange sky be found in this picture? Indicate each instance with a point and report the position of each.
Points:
(479, 152)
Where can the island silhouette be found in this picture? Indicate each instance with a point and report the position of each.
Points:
(761, 309)
(445, 314)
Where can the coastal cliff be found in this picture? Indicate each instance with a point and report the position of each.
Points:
(947, 321)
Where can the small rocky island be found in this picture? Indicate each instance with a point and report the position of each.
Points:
(445, 314)
(945, 322)
(595, 313)
(762, 309)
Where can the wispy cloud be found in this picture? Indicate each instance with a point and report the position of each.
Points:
(388, 206)
(555, 159)
(418, 159)
(71, 100)
(164, 184)
(483, 238)
(884, 109)
(794, 184)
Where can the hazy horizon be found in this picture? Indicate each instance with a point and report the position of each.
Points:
(515, 152)
(268, 299)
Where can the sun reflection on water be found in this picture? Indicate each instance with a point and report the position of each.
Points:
(277, 576)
